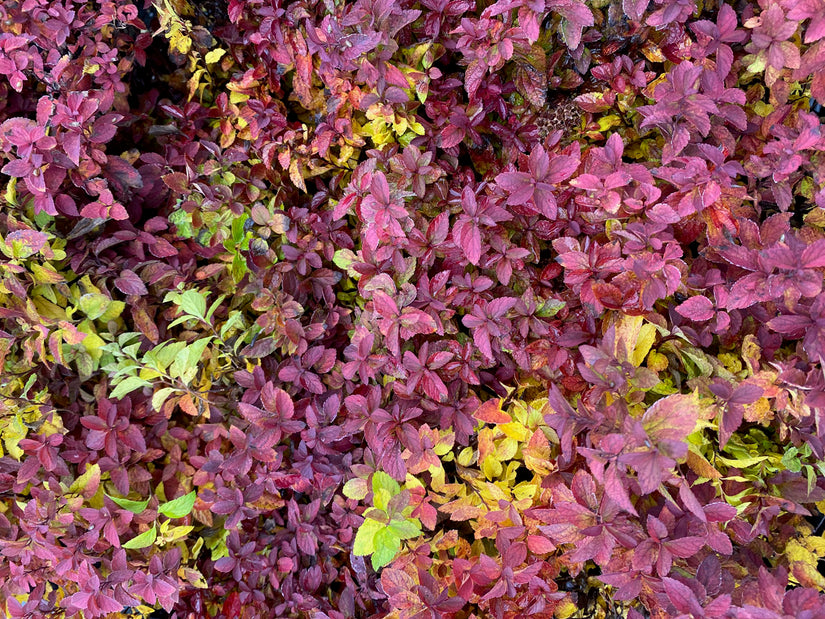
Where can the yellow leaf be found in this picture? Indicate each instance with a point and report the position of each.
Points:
(515, 431)
(611, 120)
(656, 361)
(49, 310)
(644, 342)
(731, 362)
(467, 456)
(491, 467)
(11, 192)
(214, 55)
(236, 97)
(46, 274)
(149, 374)
(816, 544)
(743, 462)
(507, 449)
(193, 577)
(13, 432)
(92, 342)
(537, 454)
(176, 533)
(525, 490)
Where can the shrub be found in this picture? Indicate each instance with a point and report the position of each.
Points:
(412, 309)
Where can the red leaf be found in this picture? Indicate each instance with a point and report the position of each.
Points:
(791, 324)
(122, 175)
(130, 283)
(697, 308)
(685, 547)
(538, 544)
(682, 597)
(177, 182)
(635, 9)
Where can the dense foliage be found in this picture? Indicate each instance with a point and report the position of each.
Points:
(413, 309)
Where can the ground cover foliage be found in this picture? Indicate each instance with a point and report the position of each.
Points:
(418, 309)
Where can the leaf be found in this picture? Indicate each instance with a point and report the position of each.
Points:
(87, 483)
(682, 597)
(94, 305)
(136, 507)
(177, 182)
(144, 540)
(635, 9)
(24, 243)
(160, 396)
(490, 412)
(214, 55)
(180, 507)
(380, 480)
(538, 544)
(364, 543)
(356, 489)
(405, 529)
(127, 386)
(387, 544)
(696, 308)
(672, 418)
(193, 303)
(130, 283)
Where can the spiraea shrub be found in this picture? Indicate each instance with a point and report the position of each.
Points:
(415, 309)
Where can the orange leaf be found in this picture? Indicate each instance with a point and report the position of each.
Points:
(537, 454)
(490, 412)
(188, 406)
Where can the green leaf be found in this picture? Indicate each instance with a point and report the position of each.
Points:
(161, 356)
(183, 222)
(405, 529)
(790, 460)
(343, 259)
(810, 473)
(161, 395)
(238, 268)
(186, 363)
(387, 545)
(128, 385)
(196, 352)
(384, 488)
(380, 480)
(238, 231)
(364, 539)
(549, 308)
(214, 306)
(180, 507)
(193, 303)
(699, 360)
(136, 507)
(742, 462)
(235, 320)
(94, 305)
(144, 540)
